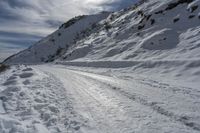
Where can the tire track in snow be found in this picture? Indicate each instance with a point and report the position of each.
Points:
(119, 93)
(191, 92)
(185, 120)
(153, 105)
(92, 100)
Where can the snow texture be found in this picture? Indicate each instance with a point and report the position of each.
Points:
(134, 70)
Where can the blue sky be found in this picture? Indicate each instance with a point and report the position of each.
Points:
(24, 22)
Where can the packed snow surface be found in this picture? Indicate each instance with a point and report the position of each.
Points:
(56, 98)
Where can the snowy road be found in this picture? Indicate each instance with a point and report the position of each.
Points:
(112, 105)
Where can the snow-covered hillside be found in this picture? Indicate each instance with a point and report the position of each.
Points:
(54, 45)
(159, 36)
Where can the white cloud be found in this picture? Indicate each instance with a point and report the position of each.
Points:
(32, 16)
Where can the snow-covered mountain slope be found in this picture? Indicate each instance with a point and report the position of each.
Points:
(58, 42)
(159, 37)
(154, 30)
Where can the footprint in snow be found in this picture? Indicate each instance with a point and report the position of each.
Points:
(26, 75)
(53, 109)
(40, 106)
(27, 69)
(26, 82)
(12, 77)
(10, 82)
(39, 100)
(5, 94)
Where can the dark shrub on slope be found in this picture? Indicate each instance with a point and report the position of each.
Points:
(176, 20)
(72, 21)
(194, 8)
(175, 4)
(3, 67)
